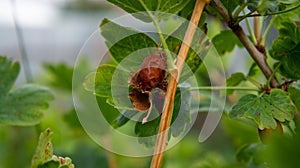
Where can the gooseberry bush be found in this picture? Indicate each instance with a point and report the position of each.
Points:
(156, 72)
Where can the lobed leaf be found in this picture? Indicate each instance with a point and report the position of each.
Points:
(136, 8)
(44, 158)
(265, 109)
(44, 149)
(286, 49)
(23, 105)
(9, 72)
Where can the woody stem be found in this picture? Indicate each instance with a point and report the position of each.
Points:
(161, 141)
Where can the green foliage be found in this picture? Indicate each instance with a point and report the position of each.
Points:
(122, 41)
(134, 6)
(181, 111)
(253, 70)
(241, 131)
(283, 151)
(21, 106)
(44, 158)
(72, 119)
(225, 41)
(199, 47)
(61, 75)
(9, 72)
(44, 150)
(294, 94)
(286, 49)
(231, 5)
(293, 15)
(265, 7)
(250, 154)
(234, 80)
(265, 109)
(124, 118)
(99, 83)
(147, 131)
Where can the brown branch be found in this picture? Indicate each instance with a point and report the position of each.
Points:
(257, 56)
(161, 141)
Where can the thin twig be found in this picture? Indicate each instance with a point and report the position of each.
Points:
(224, 88)
(21, 45)
(161, 141)
(240, 18)
(240, 9)
(257, 56)
(250, 30)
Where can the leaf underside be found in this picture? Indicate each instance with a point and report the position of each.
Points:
(21, 106)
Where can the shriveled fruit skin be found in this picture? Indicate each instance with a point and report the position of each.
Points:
(152, 74)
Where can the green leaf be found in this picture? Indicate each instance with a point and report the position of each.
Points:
(61, 75)
(109, 112)
(253, 70)
(288, 1)
(187, 11)
(267, 7)
(230, 5)
(263, 6)
(23, 105)
(250, 153)
(44, 158)
(283, 151)
(265, 109)
(234, 80)
(134, 6)
(72, 120)
(44, 149)
(9, 72)
(124, 118)
(181, 111)
(123, 41)
(50, 164)
(100, 82)
(294, 94)
(147, 131)
(194, 57)
(226, 41)
(286, 49)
